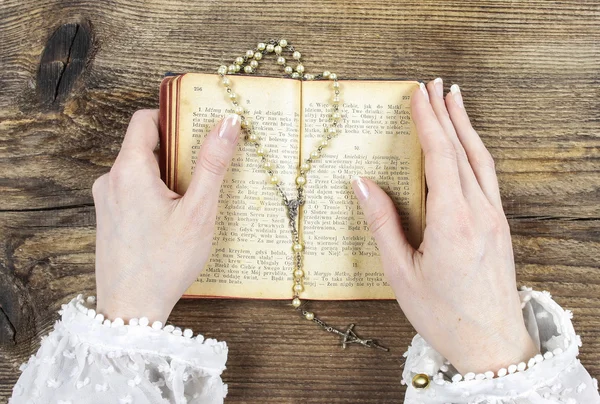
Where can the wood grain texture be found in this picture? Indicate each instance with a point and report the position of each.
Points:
(530, 77)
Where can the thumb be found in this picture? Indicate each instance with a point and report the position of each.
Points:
(214, 157)
(386, 227)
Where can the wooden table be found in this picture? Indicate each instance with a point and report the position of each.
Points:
(74, 71)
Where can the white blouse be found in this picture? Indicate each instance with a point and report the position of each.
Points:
(87, 359)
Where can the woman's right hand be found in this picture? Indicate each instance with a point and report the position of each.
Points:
(458, 289)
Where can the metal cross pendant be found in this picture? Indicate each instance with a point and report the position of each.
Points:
(350, 337)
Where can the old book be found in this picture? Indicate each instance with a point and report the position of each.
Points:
(251, 255)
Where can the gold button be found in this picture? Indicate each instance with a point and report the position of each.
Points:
(420, 381)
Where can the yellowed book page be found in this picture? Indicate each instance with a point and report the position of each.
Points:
(377, 139)
(251, 255)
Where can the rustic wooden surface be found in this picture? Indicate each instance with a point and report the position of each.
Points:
(72, 73)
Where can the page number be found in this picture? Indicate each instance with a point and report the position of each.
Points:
(197, 88)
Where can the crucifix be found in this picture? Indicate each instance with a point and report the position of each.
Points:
(348, 336)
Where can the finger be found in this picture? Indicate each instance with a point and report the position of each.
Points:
(441, 169)
(141, 139)
(214, 157)
(479, 157)
(142, 132)
(386, 227)
(468, 181)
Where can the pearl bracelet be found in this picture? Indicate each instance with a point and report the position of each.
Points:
(133, 322)
(421, 380)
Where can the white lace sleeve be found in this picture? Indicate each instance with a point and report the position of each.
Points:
(87, 359)
(554, 376)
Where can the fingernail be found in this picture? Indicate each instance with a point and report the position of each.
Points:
(230, 128)
(424, 90)
(360, 188)
(455, 90)
(439, 87)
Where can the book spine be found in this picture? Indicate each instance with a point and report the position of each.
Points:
(162, 128)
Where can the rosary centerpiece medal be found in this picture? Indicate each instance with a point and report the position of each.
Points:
(248, 64)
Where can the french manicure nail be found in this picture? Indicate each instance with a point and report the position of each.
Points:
(455, 90)
(424, 90)
(230, 128)
(439, 87)
(360, 188)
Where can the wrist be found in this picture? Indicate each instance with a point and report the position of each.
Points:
(498, 353)
(128, 308)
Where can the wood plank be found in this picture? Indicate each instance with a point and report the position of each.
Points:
(529, 75)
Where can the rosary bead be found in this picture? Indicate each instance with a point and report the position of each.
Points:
(267, 165)
(326, 73)
(270, 48)
(298, 273)
(336, 116)
(261, 46)
(283, 43)
(288, 70)
(300, 180)
(258, 56)
(280, 60)
(239, 110)
(314, 154)
(296, 302)
(305, 166)
(332, 130)
(300, 68)
(310, 316)
(239, 60)
(245, 124)
(333, 76)
(231, 69)
(298, 246)
(324, 142)
(248, 69)
(296, 55)
(237, 68)
(252, 137)
(274, 179)
(232, 96)
(249, 53)
(261, 151)
(335, 99)
(295, 75)
(278, 49)
(253, 64)
(222, 69)
(336, 84)
(298, 288)
(226, 81)
(309, 77)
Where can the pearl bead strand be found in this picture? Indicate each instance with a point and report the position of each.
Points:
(79, 303)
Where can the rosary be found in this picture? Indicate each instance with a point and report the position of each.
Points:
(250, 60)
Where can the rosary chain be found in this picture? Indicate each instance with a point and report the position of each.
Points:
(250, 60)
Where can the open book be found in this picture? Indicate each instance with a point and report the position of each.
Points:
(251, 255)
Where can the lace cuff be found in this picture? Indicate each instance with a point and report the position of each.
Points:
(89, 359)
(556, 374)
